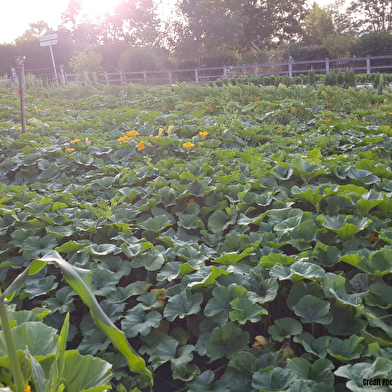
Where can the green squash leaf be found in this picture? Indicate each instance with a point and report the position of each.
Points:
(245, 310)
(313, 310)
(226, 341)
(284, 328)
(137, 321)
(182, 305)
(315, 346)
(272, 379)
(346, 350)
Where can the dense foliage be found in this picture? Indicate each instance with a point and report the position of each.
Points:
(208, 33)
(240, 236)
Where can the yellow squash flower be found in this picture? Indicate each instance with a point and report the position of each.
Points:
(169, 130)
(27, 389)
(123, 139)
(188, 145)
(141, 146)
(75, 141)
(132, 133)
(203, 134)
(69, 150)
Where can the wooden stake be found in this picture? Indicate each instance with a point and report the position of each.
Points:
(20, 60)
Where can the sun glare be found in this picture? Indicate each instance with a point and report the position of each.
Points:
(99, 8)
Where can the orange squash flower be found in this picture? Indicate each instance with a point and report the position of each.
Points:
(141, 146)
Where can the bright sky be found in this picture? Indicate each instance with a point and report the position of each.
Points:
(16, 16)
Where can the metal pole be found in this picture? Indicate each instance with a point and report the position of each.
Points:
(54, 65)
(20, 60)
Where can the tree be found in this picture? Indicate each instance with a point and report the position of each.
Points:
(338, 46)
(36, 30)
(77, 28)
(134, 22)
(373, 44)
(234, 23)
(372, 15)
(69, 18)
(212, 23)
(342, 18)
(274, 19)
(317, 25)
(87, 62)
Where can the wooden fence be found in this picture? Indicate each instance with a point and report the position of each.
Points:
(382, 64)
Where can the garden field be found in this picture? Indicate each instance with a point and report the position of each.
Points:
(240, 237)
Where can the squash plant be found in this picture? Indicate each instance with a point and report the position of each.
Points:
(67, 369)
(239, 236)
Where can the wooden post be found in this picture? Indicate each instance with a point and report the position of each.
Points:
(20, 60)
(256, 69)
(14, 76)
(145, 76)
(121, 77)
(196, 75)
(63, 81)
(368, 64)
(106, 78)
(170, 77)
(224, 71)
(326, 65)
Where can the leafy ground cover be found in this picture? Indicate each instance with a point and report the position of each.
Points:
(240, 236)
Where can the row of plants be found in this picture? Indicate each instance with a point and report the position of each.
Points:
(240, 237)
(340, 78)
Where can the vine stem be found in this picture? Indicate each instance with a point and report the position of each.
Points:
(182, 389)
(13, 357)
